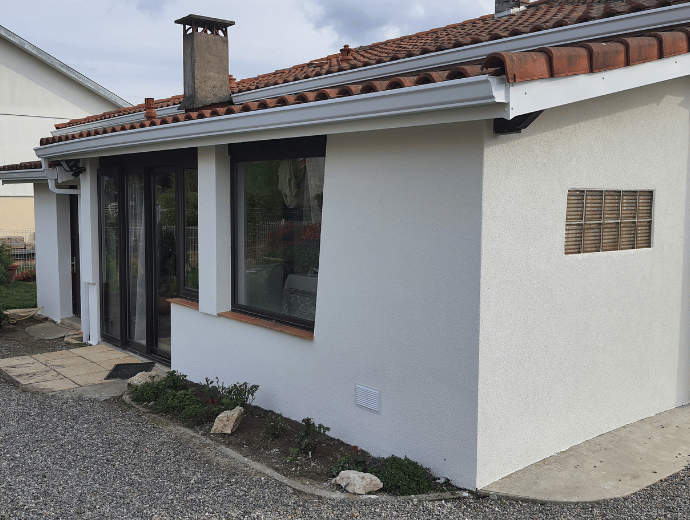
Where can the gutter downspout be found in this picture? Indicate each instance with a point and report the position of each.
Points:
(52, 175)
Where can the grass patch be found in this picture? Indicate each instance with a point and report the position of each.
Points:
(18, 295)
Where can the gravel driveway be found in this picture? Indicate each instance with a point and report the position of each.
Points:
(68, 457)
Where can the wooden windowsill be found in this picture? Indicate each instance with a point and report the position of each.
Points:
(252, 320)
(278, 327)
(185, 303)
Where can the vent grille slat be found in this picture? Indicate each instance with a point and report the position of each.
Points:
(369, 398)
(608, 220)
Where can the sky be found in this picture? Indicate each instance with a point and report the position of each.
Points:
(134, 49)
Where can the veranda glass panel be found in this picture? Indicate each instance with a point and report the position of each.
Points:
(136, 249)
(191, 228)
(110, 254)
(165, 254)
(278, 214)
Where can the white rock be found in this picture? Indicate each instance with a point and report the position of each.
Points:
(358, 482)
(144, 377)
(228, 421)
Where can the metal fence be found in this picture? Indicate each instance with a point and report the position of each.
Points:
(22, 244)
(259, 238)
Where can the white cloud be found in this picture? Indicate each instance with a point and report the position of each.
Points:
(133, 47)
(417, 11)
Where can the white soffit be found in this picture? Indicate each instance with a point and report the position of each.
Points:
(489, 95)
(608, 27)
(531, 96)
(22, 176)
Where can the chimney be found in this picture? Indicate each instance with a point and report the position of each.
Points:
(508, 7)
(205, 57)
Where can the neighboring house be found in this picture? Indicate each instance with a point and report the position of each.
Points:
(36, 93)
(496, 213)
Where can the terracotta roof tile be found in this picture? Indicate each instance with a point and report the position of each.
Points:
(32, 165)
(546, 62)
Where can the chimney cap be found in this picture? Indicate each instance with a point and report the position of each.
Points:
(197, 23)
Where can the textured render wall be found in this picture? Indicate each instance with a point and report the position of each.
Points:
(574, 346)
(16, 213)
(53, 281)
(30, 88)
(397, 304)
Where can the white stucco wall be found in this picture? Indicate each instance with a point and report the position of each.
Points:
(574, 346)
(53, 268)
(397, 303)
(33, 98)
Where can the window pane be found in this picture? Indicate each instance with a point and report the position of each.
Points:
(191, 228)
(278, 211)
(110, 251)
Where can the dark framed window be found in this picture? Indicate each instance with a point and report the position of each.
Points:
(277, 204)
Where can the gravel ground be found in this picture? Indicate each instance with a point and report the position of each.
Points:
(68, 457)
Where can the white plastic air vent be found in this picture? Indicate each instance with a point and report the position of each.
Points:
(369, 398)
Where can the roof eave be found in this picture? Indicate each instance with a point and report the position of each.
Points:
(481, 97)
(23, 176)
(531, 96)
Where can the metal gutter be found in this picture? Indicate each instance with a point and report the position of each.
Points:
(487, 93)
(634, 22)
(61, 67)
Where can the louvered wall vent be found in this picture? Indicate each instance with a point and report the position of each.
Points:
(369, 398)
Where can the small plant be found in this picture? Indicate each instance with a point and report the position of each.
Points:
(5, 262)
(26, 276)
(275, 426)
(215, 391)
(308, 435)
(402, 476)
(354, 462)
(293, 454)
(239, 394)
(152, 391)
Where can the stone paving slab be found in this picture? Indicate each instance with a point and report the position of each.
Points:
(16, 361)
(80, 369)
(47, 330)
(110, 363)
(68, 369)
(49, 357)
(39, 376)
(94, 378)
(54, 385)
(25, 368)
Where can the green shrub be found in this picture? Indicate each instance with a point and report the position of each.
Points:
(175, 401)
(348, 462)
(151, 392)
(239, 394)
(275, 426)
(402, 476)
(309, 434)
(172, 395)
(195, 414)
(5, 262)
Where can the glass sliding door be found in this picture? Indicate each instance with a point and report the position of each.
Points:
(148, 246)
(165, 255)
(109, 193)
(136, 259)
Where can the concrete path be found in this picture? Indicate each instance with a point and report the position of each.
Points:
(614, 464)
(65, 369)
